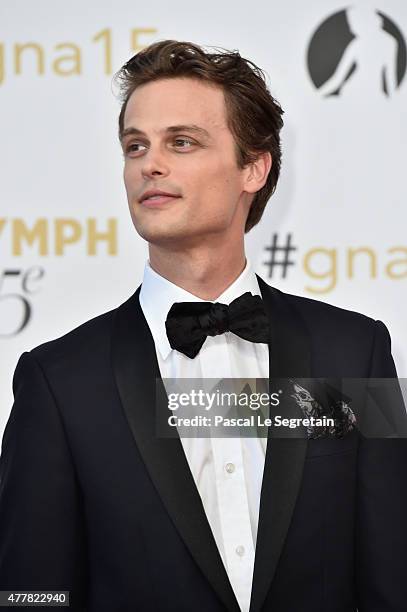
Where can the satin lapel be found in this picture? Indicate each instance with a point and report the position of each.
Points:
(289, 357)
(136, 370)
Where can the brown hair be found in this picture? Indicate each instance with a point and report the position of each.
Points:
(254, 116)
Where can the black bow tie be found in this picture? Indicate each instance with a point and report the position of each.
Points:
(189, 323)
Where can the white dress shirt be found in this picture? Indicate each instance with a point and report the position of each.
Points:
(228, 472)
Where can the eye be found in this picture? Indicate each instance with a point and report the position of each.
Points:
(179, 143)
(131, 148)
(187, 140)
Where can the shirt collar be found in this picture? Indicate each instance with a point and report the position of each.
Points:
(158, 294)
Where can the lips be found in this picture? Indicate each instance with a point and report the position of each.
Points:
(158, 197)
(158, 201)
(154, 198)
(155, 194)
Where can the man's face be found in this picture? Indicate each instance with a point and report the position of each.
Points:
(196, 162)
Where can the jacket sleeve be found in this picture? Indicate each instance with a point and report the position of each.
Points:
(42, 535)
(381, 525)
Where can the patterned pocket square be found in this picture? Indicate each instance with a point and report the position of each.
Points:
(336, 411)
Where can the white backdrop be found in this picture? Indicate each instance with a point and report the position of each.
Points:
(342, 186)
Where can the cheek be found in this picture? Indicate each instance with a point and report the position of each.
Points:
(218, 179)
(222, 187)
(216, 200)
(126, 177)
(129, 177)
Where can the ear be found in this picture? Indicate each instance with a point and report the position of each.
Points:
(257, 172)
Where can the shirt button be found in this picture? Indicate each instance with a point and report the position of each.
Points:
(230, 468)
(240, 551)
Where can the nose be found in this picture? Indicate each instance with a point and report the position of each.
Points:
(154, 164)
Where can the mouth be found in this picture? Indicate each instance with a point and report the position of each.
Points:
(158, 200)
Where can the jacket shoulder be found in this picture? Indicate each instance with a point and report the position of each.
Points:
(319, 312)
(326, 314)
(341, 340)
(89, 339)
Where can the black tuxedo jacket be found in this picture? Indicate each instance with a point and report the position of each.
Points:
(91, 501)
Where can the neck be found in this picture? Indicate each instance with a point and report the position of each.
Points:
(205, 272)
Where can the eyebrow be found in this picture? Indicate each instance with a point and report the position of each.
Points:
(133, 131)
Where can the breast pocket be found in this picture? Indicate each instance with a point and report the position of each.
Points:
(320, 447)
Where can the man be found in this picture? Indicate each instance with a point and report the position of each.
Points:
(92, 500)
